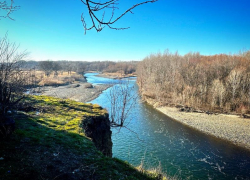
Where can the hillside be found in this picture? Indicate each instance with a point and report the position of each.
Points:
(49, 143)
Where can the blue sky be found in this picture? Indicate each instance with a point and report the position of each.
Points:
(51, 29)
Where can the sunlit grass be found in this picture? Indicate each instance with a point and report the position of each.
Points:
(62, 114)
(52, 131)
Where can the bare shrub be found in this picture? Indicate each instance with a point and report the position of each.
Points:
(218, 93)
(76, 77)
(88, 85)
(12, 77)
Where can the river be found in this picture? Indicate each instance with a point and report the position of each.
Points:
(157, 141)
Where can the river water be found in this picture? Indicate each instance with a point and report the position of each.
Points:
(157, 141)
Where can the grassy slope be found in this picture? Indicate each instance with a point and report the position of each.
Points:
(51, 145)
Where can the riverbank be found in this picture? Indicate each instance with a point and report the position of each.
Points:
(231, 128)
(77, 91)
(49, 143)
(72, 86)
(115, 75)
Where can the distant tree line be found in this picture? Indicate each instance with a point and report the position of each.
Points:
(80, 66)
(218, 83)
(122, 67)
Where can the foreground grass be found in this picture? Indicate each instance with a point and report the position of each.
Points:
(49, 144)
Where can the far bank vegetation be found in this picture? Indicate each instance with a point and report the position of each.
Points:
(121, 69)
(46, 73)
(218, 83)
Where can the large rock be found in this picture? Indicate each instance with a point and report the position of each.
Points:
(98, 129)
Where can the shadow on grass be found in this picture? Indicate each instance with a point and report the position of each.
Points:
(41, 102)
(36, 151)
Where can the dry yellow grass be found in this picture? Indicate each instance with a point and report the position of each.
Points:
(39, 78)
(60, 79)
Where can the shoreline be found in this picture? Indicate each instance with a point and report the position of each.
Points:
(231, 128)
(77, 91)
(115, 75)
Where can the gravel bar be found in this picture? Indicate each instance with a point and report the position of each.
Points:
(78, 91)
(228, 127)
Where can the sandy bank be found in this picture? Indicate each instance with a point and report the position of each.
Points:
(79, 91)
(228, 127)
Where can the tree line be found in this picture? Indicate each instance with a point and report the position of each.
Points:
(18, 75)
(217, 83)
(80, 67)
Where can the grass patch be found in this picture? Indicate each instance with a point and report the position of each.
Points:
(49, 143)
(61, 79)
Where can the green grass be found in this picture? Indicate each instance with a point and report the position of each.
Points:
(52, 145)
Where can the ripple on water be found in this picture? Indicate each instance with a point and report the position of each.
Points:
(182, 151)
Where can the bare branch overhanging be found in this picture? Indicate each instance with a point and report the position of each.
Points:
(9, 8)
(98, 23)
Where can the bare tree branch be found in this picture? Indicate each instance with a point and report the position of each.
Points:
(9, 8)
(122, 100)
(12, 77)
(98, 23)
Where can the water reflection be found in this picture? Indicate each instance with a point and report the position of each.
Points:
(180, 150)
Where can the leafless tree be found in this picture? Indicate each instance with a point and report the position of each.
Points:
(12, 77)
(46, 66)
(218, 83)
(56, 67)
(218, 93)
(122, 100)
(9, 8)
(98, 22)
